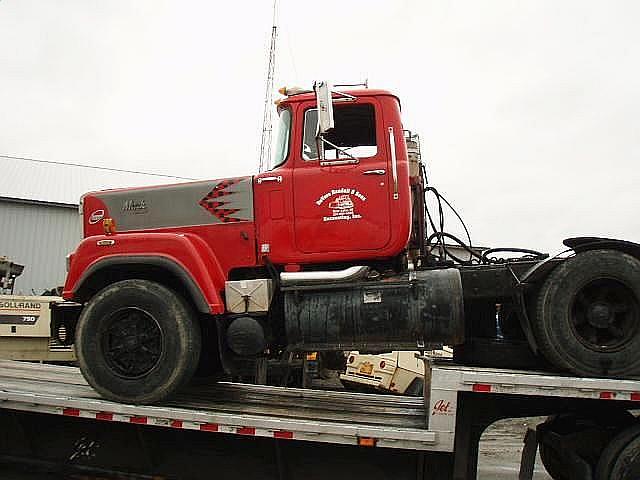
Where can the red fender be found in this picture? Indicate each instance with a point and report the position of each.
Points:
(186, 256)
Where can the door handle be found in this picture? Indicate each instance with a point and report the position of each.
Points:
(270, 179)
(379, 171)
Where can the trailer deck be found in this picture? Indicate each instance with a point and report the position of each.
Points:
(256, 410)
(441, 430)
(302, 414)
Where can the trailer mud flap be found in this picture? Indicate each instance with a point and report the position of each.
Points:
(396, 313)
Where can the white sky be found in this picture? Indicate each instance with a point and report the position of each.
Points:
(528, 110)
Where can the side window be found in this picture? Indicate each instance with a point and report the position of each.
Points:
(279, 153)
(354, 132)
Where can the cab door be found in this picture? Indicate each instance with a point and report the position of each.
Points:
(341, 204)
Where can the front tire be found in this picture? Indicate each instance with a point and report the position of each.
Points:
(137, 342)
(588, 315)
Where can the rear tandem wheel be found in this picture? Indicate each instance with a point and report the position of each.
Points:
(620, 460)
(588, 315)
(571, 442)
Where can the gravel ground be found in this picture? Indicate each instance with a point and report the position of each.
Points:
(501, 450)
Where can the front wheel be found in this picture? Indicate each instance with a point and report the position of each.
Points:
(137, 342)
(588, 315)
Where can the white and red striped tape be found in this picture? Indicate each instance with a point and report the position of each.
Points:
(601, 394)
(174, 423)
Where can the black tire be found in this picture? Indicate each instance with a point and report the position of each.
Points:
(588, 315)
(587, 433)
(553, 463)
(620, 460)
(137, 342)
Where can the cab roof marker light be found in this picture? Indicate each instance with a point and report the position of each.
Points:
(289, 91)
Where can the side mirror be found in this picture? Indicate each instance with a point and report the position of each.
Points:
(325, 107)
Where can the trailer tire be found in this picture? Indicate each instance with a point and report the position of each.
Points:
(620, 460)
(552, 462)
(588, 314)
(137, 342)
(586, 434)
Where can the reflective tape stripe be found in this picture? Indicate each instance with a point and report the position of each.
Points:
(481, 387)
(209, 427)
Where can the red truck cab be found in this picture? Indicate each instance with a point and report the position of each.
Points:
(156, 261)
(304, 211)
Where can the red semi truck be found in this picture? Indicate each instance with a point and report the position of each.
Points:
(332, 248)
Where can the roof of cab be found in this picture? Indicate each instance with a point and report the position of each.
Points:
(363, 92)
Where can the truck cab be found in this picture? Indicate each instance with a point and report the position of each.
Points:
(352, 204)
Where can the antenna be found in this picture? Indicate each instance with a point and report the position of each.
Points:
(265, 144)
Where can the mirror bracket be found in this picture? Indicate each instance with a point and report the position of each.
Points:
(324, 101)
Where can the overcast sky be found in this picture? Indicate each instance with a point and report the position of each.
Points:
(528, 110)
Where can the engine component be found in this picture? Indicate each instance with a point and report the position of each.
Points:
(245, 336)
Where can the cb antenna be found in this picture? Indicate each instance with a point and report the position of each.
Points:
(265, 144)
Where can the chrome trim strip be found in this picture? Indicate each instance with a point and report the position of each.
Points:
(309, 278)
(394, 163)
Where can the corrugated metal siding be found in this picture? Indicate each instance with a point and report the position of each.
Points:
(38, 237)
(63, 183)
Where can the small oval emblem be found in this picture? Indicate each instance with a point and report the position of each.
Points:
(96, 216)
(105, 243)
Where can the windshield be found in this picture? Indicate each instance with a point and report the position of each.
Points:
(281, 146)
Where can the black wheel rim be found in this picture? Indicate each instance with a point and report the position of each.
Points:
(131, 342)
(605, 315)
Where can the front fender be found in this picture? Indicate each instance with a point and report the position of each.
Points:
(185, 256)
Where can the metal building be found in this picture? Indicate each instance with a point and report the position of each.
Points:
(39, 220)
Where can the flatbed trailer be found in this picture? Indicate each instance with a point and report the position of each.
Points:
(51, 419)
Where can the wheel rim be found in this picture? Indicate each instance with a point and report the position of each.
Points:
(131, 342)
(604, 315)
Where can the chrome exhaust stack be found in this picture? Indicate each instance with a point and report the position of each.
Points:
(351, 274)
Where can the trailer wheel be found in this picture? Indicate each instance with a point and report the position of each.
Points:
(588, 314)
(584, 434)
(137, 342)
(620, 460)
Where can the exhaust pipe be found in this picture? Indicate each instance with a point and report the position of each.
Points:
(289, 279)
